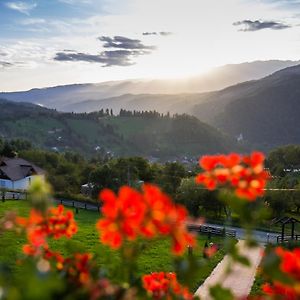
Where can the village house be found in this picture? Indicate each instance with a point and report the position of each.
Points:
(17, 173)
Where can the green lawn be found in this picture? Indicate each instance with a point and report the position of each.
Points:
(155, 257)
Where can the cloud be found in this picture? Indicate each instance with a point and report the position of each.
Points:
(106, 58)
(259, 25)
(150, 33)
(25, 55)
(21, 7)
(32, 21)
(163, 33)
(127, 49)
(5, 64)
(122, 42)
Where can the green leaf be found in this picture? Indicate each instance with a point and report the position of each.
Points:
(242, 260)
(236, 256)
(220, 293)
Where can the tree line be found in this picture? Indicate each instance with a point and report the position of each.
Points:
(68, 171)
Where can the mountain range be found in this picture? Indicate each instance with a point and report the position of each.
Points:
(162, 95)
(262, 113)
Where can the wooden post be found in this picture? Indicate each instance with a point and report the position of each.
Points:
(282, 233)
(293, 231)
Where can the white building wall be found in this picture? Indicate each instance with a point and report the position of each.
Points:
(22, 184)
(7, 184)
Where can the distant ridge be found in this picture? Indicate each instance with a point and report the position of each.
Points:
(79, 97)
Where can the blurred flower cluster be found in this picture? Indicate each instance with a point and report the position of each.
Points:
(54, 223)
(244, 174)
(148, 214)
(290, 266)
(160, 285)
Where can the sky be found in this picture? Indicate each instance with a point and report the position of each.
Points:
(56, 42)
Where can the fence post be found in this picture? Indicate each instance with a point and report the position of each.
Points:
(73, 204)
(209, 235)
(85, 206)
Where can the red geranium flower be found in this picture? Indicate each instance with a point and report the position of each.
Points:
(123, 215)
(165, 218)
(148, 214)
(211, 251)
(160, 285)
(55, 223)
(279, 291)
(290, 262)
(244, 174)
(78, 267)
(290, 266)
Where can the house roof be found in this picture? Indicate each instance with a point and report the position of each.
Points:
(17, 168)
(284, 220)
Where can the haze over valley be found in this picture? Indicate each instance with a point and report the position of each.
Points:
(258, 112)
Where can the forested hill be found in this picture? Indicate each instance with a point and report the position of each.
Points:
(11, 110)
(147, 134)
(264, 112)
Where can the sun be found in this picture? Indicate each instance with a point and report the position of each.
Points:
(171, 65)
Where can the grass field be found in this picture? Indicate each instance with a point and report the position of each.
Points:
(154, 258)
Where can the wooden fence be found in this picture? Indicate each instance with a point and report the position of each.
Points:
(213, 230)
(287, 239)
(79, 204)
(13, 194)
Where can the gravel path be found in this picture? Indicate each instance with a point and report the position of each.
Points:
(241, 278)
